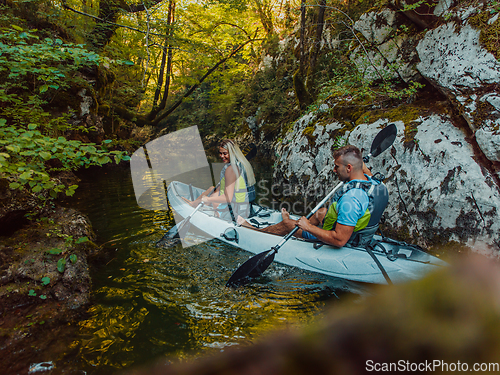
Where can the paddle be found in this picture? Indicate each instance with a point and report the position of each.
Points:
(249, 151)
(256, 265)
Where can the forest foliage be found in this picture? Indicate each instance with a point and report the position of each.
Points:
(166, 63)
(31, 137)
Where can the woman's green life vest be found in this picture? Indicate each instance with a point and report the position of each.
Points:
(242, 194)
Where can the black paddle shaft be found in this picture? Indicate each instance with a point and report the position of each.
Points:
(256, 265)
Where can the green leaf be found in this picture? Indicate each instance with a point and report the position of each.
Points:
(14, 185)
(61, 265)
(44, 88)
(32, 126)
(107, 141)
(37, 189)
(45, 155)
(25, 175)
(73, 258)
(45, 280)
(54, 251)
(15, 27)
(13, 148)
(81, 240)
(31, 293)
(43, 297)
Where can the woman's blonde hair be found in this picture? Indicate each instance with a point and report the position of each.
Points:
(235, 154)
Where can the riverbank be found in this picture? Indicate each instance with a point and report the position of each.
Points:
(44, 281)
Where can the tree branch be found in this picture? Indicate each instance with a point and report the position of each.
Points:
(66, 6)
(164, 114)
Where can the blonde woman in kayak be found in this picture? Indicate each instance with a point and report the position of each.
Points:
(237, 182)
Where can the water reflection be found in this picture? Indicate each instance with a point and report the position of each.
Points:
(150, 302)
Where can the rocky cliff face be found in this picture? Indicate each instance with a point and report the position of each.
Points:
(442, 171)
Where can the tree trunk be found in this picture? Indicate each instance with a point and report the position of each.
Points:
(302, 58)
(159, 82)
(313, 58)
(166, 59)
(171, 15)
(109, 11)
(164, 114)
(301, 94)
(105, 29)
(265, 16)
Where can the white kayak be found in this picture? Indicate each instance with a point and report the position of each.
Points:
(402, 262)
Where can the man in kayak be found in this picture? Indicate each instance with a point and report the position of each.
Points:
(356, 208)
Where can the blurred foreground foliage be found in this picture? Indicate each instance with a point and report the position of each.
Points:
(444, 323)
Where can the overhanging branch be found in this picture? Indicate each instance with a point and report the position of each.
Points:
(66, 6)
(165, 113)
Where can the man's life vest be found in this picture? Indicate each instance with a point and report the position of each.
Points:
(367, 224)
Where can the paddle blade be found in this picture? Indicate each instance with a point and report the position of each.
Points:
(250, 151)
(252, 268)
(384, 139)
(175, 233)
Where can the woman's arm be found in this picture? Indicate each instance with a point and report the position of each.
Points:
(230, 180)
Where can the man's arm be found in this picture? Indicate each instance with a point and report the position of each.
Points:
(337, 237)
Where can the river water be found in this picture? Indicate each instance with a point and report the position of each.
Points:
(150, 302)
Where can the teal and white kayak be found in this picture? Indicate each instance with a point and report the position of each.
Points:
(402, 262)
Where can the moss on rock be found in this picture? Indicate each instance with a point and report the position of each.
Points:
(490, 34)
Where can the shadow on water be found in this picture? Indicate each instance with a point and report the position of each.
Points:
(149, 302)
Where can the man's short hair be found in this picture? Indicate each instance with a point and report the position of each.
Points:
(351, 154)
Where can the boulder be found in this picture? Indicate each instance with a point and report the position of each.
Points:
(453, 60)
(439, 195)
(384, 54)
(451, 57)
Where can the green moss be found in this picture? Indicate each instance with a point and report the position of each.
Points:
(490, 34)
(410, 133)
(405, 113)
(104, 109)
(308, 132)
(483, 112)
